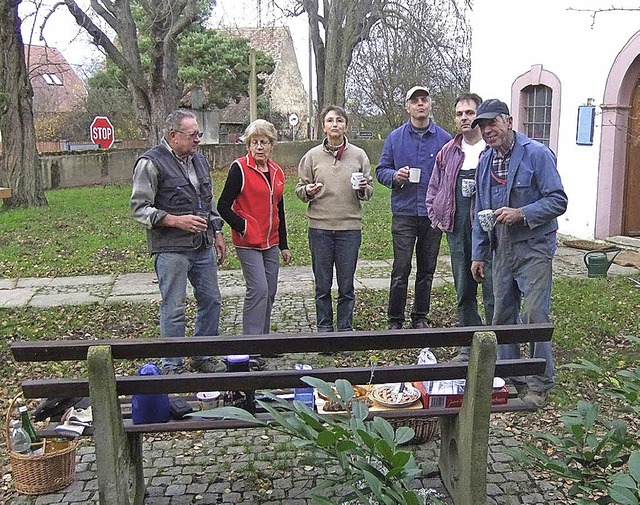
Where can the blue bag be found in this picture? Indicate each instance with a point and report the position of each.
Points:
(151, 408)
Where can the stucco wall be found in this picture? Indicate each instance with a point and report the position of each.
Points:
(509, 36)
(87, 168)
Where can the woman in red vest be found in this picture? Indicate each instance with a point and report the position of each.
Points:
(251, 203)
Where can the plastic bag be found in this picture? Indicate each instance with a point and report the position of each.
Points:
(426, 357)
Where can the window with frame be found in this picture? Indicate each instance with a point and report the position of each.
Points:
(52, 79)
(537, 113)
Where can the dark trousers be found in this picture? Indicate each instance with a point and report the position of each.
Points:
(411, 232)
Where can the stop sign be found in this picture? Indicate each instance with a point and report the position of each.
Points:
(101, 132)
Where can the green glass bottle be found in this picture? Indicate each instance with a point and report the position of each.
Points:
(27, 426)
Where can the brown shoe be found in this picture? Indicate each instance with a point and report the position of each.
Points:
(209, 365)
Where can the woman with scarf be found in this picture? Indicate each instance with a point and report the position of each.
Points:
(334, 178)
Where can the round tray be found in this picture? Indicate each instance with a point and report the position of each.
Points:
(384, 393)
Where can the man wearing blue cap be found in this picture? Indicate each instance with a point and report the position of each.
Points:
(411, 150)
(518, 179)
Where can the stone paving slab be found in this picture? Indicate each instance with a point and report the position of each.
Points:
(8, 283)
(16, 297)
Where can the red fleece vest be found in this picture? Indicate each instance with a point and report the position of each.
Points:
(257, 203)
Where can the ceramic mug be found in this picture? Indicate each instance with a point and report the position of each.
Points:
(468, 187)
(356, 177)
(487, 219)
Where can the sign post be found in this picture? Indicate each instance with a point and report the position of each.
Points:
(293, 121)
(102, 132)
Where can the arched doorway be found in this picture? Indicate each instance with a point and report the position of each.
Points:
(631, 203)
(619, 171)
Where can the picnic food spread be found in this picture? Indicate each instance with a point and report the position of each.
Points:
(395, 396)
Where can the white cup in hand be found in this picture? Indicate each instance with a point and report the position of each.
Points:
(414, 175)
(356, 177)
(487, 219)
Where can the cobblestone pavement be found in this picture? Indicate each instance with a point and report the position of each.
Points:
(257, 466)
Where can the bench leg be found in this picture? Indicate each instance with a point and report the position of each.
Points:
(118, 455)
(465, 436)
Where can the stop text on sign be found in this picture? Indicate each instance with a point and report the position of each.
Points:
(102, 132)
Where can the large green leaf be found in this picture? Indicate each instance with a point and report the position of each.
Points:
(634, 466)
(227, 413)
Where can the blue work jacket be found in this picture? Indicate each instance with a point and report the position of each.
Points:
(405, 147)
(533, 184)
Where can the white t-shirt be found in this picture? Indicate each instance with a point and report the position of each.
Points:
(472, 154)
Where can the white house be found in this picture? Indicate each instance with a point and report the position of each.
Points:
(571, 80)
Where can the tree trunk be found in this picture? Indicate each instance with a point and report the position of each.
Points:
(345, 24)
(157, 94)
(20, 161)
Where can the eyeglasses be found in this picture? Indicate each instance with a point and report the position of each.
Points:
(262, 143)
(192, 135)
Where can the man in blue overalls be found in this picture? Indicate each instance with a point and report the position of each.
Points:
(518, 179)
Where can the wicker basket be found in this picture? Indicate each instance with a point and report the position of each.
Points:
(53, 470)
(426, 428)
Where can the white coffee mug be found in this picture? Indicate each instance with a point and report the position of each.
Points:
(487, 219)
(356, 177)
(414, 175)
(468, 187)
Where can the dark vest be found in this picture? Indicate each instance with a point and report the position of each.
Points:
(177, 196)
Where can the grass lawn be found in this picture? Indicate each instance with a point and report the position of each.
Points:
(87, 231)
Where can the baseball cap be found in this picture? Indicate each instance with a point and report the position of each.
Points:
(490, 109)
(414, 90)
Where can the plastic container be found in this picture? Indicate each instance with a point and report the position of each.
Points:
(238, 363)
(304, 395)
(245, 399)
(19, 439)
(151, 408)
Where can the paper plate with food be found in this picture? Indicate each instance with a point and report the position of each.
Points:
(395, 395)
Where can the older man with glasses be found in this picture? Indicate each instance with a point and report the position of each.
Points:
(172, 198)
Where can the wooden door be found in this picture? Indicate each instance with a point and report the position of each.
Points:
(631, 208)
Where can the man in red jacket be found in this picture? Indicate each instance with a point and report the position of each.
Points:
(449, 202)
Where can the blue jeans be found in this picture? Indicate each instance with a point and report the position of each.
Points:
(200, 268)
(522, 270)
(409, 232)
(260, 270)
(339, 248)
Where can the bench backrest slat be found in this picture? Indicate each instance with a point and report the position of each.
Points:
(189, 383)
(123, 348)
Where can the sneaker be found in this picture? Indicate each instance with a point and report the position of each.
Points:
(394, 325)
(173, 369)
(534, 399)
(209, 365)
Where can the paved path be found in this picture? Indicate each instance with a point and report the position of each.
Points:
(258, 466)
(294, 280)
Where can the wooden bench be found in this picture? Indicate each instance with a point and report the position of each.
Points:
(118, 442)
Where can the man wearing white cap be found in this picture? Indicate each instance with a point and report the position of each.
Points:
(411, 150)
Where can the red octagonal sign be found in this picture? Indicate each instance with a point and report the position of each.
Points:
(102, 132)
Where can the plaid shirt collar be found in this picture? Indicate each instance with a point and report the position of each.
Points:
(500, 164)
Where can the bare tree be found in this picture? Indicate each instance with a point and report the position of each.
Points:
(336, 28)
(418, 42)
(594, 12)
(20, 161)
(155, 93)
